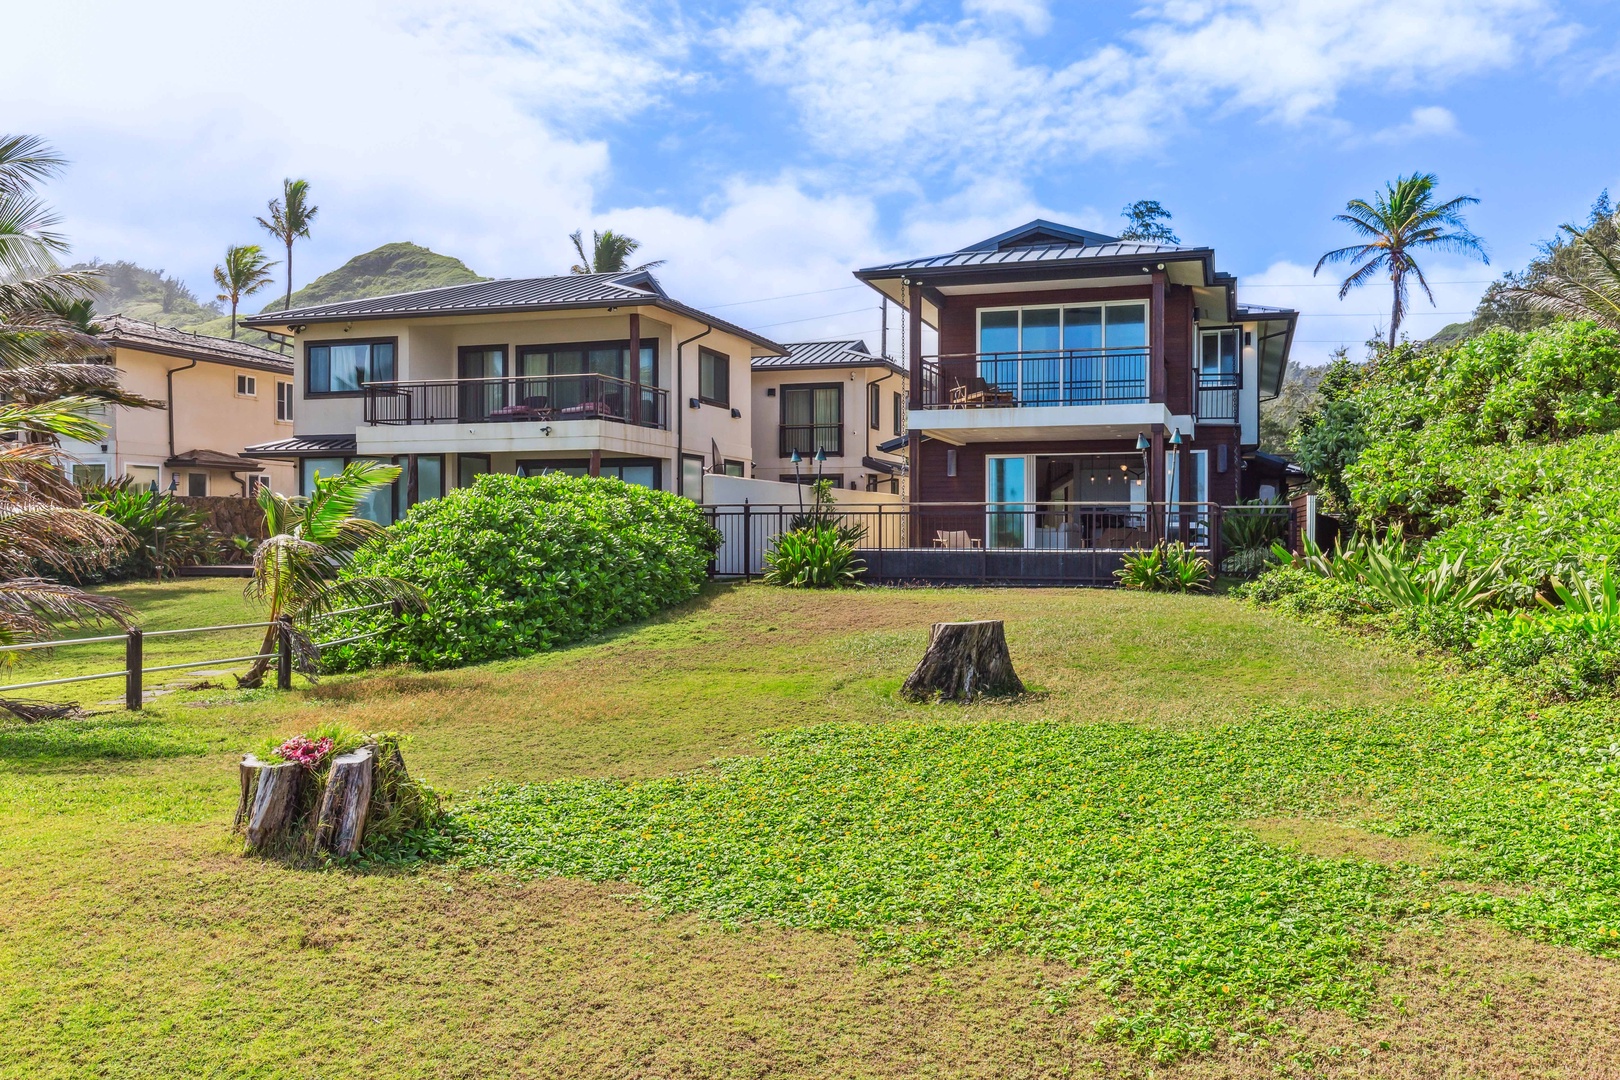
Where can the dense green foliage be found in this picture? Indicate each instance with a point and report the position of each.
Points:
(516, 564)
(813, 557)
(166, 534)
(1165, 567)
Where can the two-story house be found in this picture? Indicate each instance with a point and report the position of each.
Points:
(218, 397)
(591, 374)
(1087, 392)
(834, 399)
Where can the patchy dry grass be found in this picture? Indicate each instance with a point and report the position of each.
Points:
(135, 943)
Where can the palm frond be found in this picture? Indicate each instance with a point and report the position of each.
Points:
(33, 609)
(26, 160)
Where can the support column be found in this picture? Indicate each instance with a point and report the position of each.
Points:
(635, 368)
(1155, 482)
(1157, 384)
(596, 463)
(914, 343)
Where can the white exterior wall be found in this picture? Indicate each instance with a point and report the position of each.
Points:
(860, 439)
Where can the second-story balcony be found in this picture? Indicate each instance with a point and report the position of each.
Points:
(1218, 396)
(1016, 379)
(519, 399)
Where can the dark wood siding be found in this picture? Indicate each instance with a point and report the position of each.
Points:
(1178, 349)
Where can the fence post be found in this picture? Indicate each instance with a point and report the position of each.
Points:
(284, 664)
(748, 547)
(1217, 513)
(132, 670)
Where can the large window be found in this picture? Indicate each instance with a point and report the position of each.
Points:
(643, 472)
(1081, 354)
(536, 388)
(343, 367)
(812, 419)
(142, 477)
(714, 377)
(469, 467)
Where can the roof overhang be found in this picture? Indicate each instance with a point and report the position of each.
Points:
(211, 459)
(302, 446)
(293, 322)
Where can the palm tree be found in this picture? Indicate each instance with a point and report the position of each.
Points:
(1400, 220)
(610, 253)
(1581, 279)
(290, 218)
(245, 271)
(297, 570)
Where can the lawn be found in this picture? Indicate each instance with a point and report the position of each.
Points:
(717, 845)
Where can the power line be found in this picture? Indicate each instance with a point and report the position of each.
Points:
(784, 296)
(1244, 286)
(813, 318)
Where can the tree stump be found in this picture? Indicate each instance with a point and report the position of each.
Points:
(340, 823)
(963, 661)
(269, 801)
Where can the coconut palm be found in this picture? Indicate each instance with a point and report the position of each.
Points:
(610, 253)
(1580, 279)
(245, 271)
(297, 570)
(290, 218)
(34, 289)
(1400, 221)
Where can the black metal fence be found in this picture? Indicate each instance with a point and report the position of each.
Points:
(978, 543)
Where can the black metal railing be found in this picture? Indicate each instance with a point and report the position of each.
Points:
(1058, 377)
(1032, 543)
(808, 438)
(1218, 398)
(536, 398)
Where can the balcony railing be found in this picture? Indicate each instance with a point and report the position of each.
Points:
(534, 398)
(808, 438)
(1218, 398)
(1059, 377)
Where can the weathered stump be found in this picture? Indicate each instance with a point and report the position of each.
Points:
(271, 806)
(963, 661)
(340, 823)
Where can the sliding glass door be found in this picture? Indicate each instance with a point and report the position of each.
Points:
(1007, 523)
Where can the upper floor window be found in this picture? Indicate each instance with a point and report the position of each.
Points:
(1075, 327)
(342, 367)
(284, 400)
(812, 419)
(1218, 352)
(874, 406)
(714, 377)
(247, 386)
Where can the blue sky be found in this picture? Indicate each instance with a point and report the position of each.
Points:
(766, 148)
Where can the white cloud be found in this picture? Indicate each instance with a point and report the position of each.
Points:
(1326, 322)
(960, 95)
(1032, 15)
(1427, 122)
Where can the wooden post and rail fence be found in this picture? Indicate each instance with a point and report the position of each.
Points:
(136, 669)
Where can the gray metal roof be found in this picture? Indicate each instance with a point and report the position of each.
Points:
(1029, 255)
(302, 446)
(128, 333)
(506, 295)
(826, 354)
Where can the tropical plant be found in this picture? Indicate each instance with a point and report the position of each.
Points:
(1254, 523)
(1580, 279)
(299, 570)
(1165, 567)
(167, 535)
(1399, 222)
(816, 557)
(290, 218)
(1148, 221)
(824, 514)
(1385, 565)
(513, 565)
(245, 271)
(610, 253)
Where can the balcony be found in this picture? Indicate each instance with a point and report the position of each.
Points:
(546, 399)
(1218, 398)
(1066, 377)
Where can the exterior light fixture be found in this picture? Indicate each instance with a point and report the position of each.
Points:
(821, 456)
(736, 414)
(1175, 440)
(797, 459)
(1142, 443)
(692, 403)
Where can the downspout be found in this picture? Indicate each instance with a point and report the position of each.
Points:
(680, 412)
(169, 378)
(868, 425)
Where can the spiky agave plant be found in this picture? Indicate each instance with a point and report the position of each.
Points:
(297, 569)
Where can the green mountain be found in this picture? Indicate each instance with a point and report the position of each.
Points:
(152, 295)
(392, 268)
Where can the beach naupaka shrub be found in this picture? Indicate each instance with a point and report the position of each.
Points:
(513, 565)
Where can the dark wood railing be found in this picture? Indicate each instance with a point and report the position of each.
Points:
(1057, 377)
(534, 398)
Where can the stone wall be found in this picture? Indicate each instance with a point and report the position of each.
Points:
(228, 515)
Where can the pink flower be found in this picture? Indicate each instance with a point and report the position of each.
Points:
(301, 750)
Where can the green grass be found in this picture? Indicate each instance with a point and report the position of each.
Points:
(1120, 852)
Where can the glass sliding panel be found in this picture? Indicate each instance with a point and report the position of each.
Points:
(469, 467)
(350, 366)
(478, 399)
(378, 503)
(1083, 373)
(1007, 491)
(382, 362)
(310, 467)
(567, 393)
(998, 337)
(1041, 340)
(429, 477)
(641, 475)
(1125, 376)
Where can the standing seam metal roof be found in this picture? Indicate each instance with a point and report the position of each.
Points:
(1041, 253)
(826, 354)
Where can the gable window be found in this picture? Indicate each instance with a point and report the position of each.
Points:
(284, 398)
(343, 367)
(714, 377)
(812, 419)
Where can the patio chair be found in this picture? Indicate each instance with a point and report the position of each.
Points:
(955, 540)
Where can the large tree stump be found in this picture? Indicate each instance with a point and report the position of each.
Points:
(274, 800)
(340, 823)
(963, 661)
